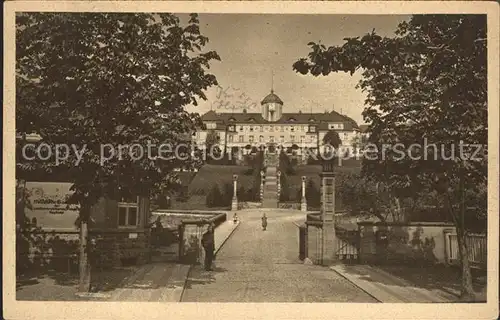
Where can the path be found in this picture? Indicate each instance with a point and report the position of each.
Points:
(263, 266)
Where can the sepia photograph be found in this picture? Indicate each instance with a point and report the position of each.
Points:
(236, 156)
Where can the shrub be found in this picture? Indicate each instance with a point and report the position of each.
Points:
(285, 190)
(214, 197)
(257, 168)
(183, 196)
(163, 202)
(227, 194)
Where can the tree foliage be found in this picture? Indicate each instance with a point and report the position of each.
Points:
(428, 82)
(88, 79)
(332, 138)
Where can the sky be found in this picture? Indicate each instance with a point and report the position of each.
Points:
(258, 50)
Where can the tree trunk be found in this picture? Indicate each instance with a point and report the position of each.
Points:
(84, 269)
(467, 294)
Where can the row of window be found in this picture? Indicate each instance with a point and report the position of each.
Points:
(343, 135)
(213, 125)
(336, 126)
(241, 138)
(273, 128)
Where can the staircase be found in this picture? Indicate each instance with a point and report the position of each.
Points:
(271, 160)
(270, 196)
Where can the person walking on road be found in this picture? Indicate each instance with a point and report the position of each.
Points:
(208, 243)
(264, 222)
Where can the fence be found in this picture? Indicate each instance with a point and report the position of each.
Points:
(476, 249)
(41, 251)
(347, 245)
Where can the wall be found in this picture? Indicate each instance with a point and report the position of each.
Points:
(314, 244)
(414, 243)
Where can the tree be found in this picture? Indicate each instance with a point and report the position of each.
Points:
(212, 145)
(92, 79)
(332, 138)
(428, 82)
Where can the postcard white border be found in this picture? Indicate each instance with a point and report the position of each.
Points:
(124, 310)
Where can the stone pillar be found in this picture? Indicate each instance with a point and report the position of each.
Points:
(262, 186)
(303, 202)
(234, 202)
(329, 240)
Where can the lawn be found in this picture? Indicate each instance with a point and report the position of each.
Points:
(194, 202)
(209, 175)
(199, 184)
(312, 172)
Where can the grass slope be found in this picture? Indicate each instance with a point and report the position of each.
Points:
(209, 175)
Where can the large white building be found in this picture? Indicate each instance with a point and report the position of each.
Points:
(274, 129)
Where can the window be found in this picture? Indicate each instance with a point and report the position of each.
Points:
(305, 128)
(292, 128)
(312, 138)
(302, 139)
(241, 128)
(251, 129)
(230, 138)
(261, 139)
(271, 139)
(261, 129)
(282, 128)
(312, 129)
(240, 138)
(250, 139)
(127, 215)
(292, 138)
(282, 138)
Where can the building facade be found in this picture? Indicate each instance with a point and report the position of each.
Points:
(273, 129)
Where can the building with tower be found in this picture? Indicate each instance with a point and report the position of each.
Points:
(275, 130)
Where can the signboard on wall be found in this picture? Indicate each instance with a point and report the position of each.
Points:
(49, 205)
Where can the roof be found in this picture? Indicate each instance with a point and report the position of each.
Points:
(321, 119)
(363, 128)
(272, 98)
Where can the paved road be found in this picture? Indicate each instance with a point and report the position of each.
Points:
(263, 266)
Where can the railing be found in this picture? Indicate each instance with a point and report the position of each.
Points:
(476, 249)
